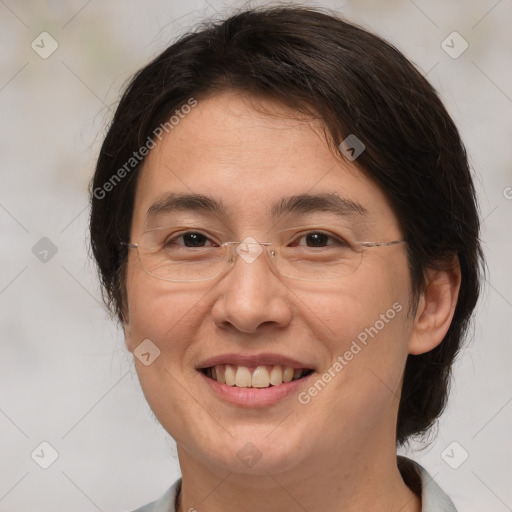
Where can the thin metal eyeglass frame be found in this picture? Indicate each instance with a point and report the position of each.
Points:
(272, 255)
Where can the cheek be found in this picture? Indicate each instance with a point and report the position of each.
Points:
(340, 312)
(155, 309)
(165, 315)
(363, 325)
(171, 316)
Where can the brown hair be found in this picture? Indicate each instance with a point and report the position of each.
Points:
(357, 84)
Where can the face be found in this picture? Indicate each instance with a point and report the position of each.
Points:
(350, 333)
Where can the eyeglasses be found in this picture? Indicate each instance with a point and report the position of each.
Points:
(163, 257)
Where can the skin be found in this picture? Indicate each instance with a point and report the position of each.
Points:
(338, 452)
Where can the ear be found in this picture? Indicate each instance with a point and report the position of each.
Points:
(435, 308)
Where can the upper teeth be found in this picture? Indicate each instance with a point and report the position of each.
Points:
(261, 377)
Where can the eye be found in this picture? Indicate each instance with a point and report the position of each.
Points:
(190, 239)
(320, 239)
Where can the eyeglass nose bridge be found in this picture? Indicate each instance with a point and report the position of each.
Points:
(248, 249)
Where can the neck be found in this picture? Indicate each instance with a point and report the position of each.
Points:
(353, 478)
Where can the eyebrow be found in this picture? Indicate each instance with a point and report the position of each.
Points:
(298, 204)
(308, 203)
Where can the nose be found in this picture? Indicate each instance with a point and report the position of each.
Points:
(251, 295)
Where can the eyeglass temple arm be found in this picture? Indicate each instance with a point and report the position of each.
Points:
(380, 244)
(130, 246)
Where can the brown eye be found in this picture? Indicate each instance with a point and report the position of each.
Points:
(320, 239)
(317, 239)
(190, 239)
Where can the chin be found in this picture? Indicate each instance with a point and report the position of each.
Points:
(258, 453)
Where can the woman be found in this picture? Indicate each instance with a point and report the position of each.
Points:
(285, 225)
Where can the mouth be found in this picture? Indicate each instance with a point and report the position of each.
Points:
(261, 376)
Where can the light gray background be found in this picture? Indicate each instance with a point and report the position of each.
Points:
(66, 377)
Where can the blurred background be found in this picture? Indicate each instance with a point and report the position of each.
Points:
(75, 430)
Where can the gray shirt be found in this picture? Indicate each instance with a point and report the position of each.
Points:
(433, 498)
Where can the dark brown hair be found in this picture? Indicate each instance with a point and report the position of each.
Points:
(357, 84)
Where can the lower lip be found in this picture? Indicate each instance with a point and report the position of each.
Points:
(255, 397)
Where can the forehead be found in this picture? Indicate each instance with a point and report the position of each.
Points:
(250, 154)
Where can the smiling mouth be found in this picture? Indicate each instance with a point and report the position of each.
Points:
(262, 376)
